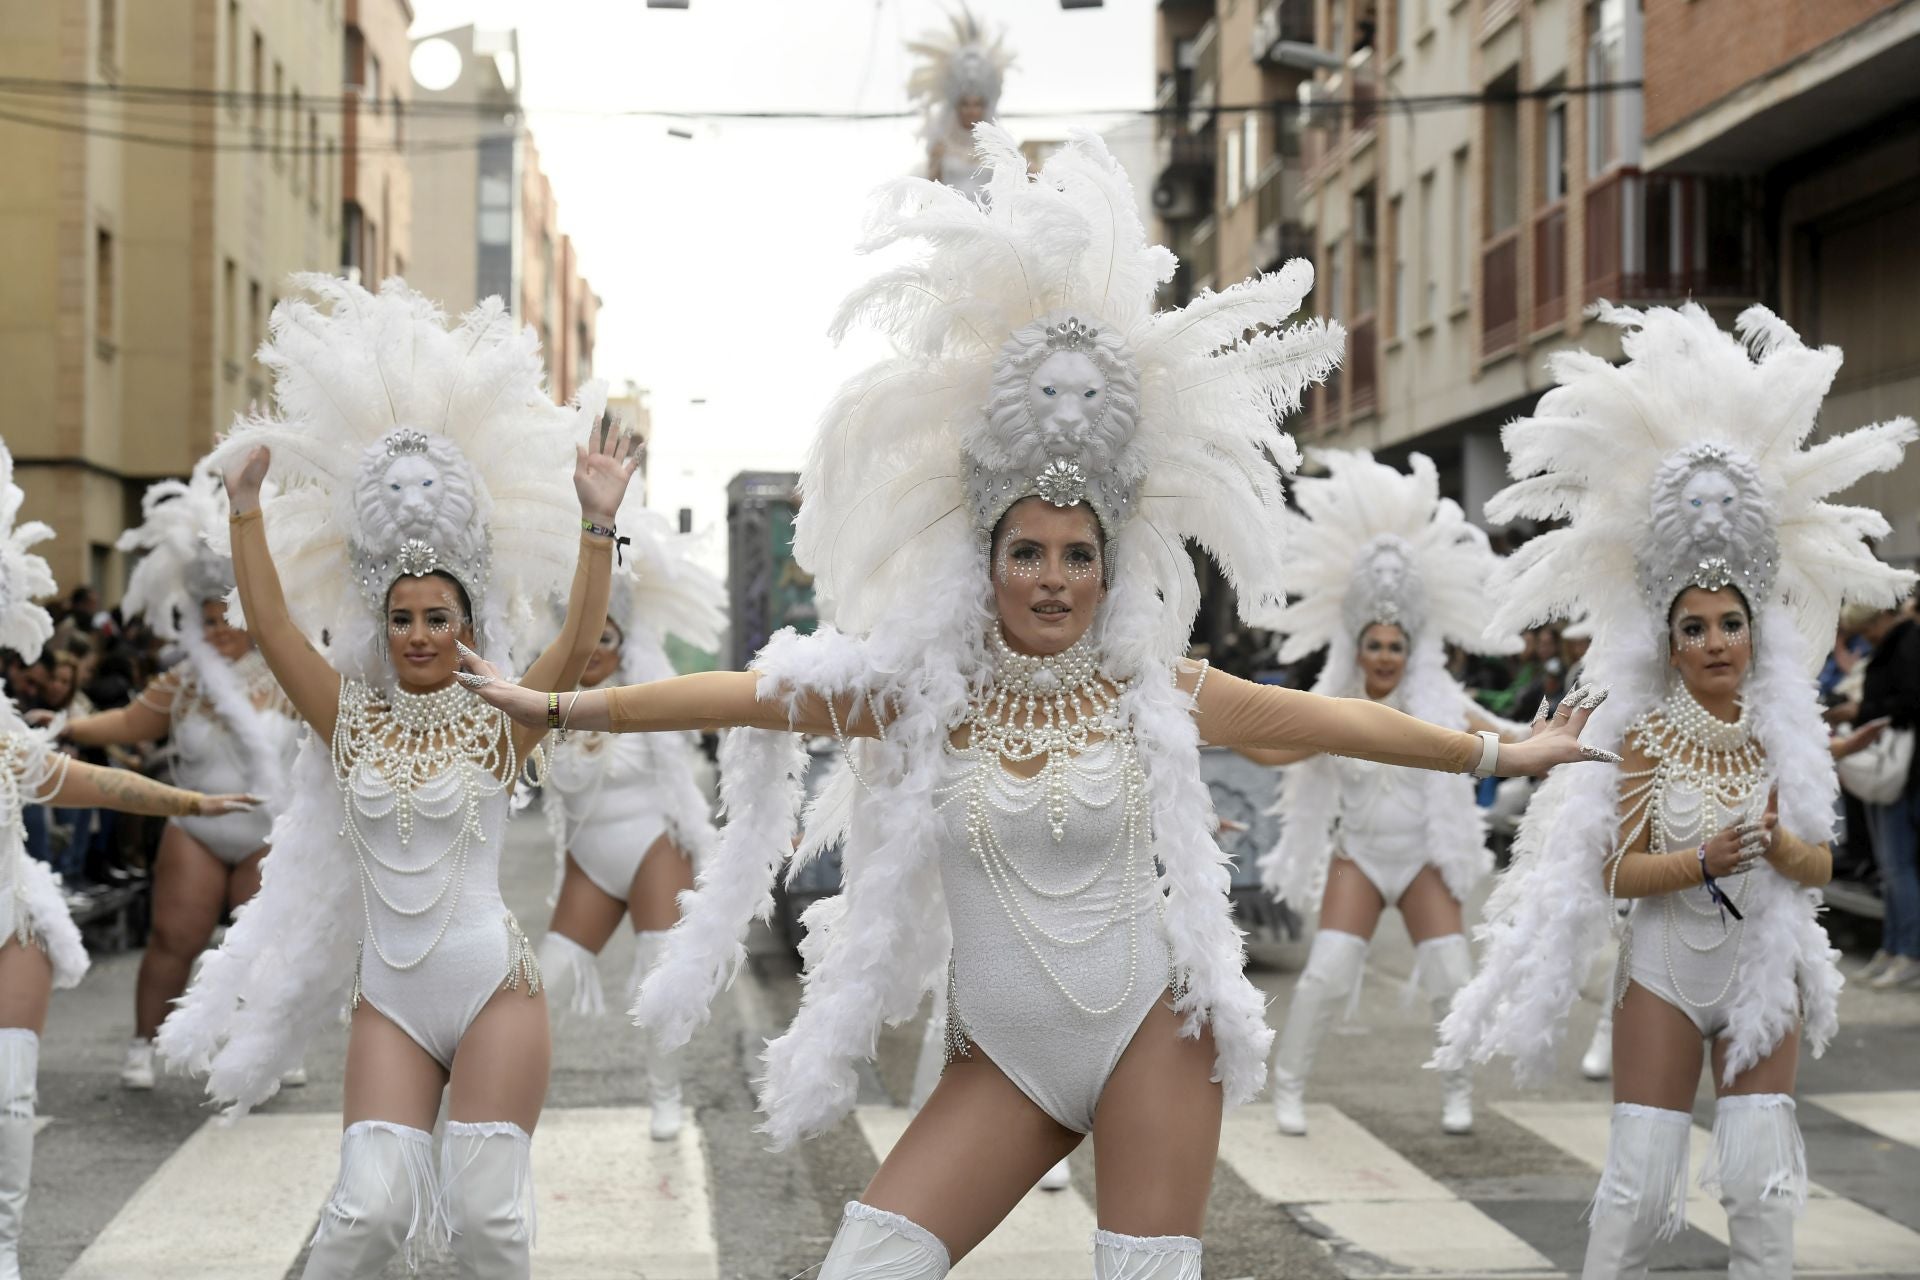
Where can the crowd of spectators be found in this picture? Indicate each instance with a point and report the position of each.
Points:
(96, 661)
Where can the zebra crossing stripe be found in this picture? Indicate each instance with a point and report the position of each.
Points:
(1388, 1216)
(261, 1180)
(1048, 1236)
(1834, 1237)
(1893, 1114)
(614, 1203)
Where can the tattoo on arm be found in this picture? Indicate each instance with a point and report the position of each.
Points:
(136, 793)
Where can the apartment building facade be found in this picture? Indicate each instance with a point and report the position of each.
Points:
(376, 228)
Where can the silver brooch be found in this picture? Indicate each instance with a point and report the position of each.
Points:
(416, 559)
(1063, 483)
(1071, 335)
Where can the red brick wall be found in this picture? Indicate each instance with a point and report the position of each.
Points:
(1699, 51)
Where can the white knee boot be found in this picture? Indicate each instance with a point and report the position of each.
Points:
(1118, 1257)
(663, 1068)
(486, 1187)
(1643, 1190)
(1759, 1167)
(1445, 964)
(19, 1070)
(382, 1204)
(572, 979)
(873, 1244)
(1331, 975)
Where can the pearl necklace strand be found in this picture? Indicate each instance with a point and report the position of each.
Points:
(1044, 708)
(406, 740)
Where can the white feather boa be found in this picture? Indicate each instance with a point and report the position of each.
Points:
(287, 962)
(874, 951)
(1294, 871)
(266, 736)
(32, 910)
(1550, 909)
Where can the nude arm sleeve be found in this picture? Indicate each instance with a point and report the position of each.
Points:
(713, 700)
(1642, 873)
(1238, 713)
(1801, 861)
(309, 682)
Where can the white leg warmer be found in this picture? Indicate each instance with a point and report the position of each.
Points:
(1759, 1167)
(873, 1244)
(1118, 1257)
(1332, 974)
(382, 1204)
(19, 1070)
(570, 975)
(1444, 965)
(1643, 1190)
(663, 1067)
(486, 1186)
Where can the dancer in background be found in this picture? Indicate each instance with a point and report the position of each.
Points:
(995, 519)
(228, 728)
(956, 85)
(423, 496)
(628, 814)
(40, 949)
(1700, 550)
(1385, 573)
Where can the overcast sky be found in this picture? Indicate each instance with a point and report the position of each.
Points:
(719, 259)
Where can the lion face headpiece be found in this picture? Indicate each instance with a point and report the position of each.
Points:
(1708, 528)
(418, 509)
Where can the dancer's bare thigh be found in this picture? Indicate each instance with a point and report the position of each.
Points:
(26, 985)
(1350, 904)
(389, 1077)
(1429, 908)
(585, 914)
(1156, 1132)
(1657, 1052)
(244, 882)
(969, 1155)
(1778, 1072)
(189, 890)
(500, 1069)
(665, 873)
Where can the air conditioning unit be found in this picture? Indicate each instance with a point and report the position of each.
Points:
(1175, 200)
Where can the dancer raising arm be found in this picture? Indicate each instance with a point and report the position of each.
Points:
(446, 474)
(1025, 817)
(1700, 550)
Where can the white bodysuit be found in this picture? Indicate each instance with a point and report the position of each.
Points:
(1059, 951)
(1383, 827)
(212, 758)
(610, 789)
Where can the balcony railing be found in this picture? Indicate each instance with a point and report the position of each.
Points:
(1550, 266)
(1670, 236)
(1500, 293)
(1363, 348)
(1182, 154)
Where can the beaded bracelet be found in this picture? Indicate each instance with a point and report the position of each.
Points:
(553, 711)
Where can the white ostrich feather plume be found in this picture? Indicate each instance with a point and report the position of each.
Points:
(964, 60)
(352, 366)
(178, 566)
(1592, 451)
(25, 576)
(1372, 544)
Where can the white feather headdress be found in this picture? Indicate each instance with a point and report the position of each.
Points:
(178, 568)
(363, 380)
(962, 61)
(25, 576)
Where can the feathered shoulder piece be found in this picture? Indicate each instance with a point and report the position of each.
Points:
(405, 445)
(24, 575)
(178, 568)
(1371, 544)
(1029, 360)
(1688, 465)
(963, 61)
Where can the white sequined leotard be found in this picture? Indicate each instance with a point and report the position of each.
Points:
(1058, 947)
(425, 815)
(1383, 825)
(211, 757)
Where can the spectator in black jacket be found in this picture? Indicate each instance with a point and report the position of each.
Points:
(1892, 691)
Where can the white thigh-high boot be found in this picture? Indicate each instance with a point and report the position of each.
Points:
(1118, 1257)
(1331, 975)
(486, 1186)
(1643, 1190)
(1759, 1167)
(663, 1068)
(873, 1244)
(568, 972)
(19, 1069)
(382, 1204)
(1445, 964)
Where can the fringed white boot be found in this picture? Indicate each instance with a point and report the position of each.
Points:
(1759, 1167)
(1643, 1191)
(383, 1204)
(570, 975)
(663, 1068)
(1118, 1257)
(486, 1188)
(19, 1071)
(1331, 975)
(873, 1244)
(1445, 964)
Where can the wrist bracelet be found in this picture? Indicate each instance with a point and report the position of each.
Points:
(553, 711)
(1714, 891)
(607, 531)
(1489, 753)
